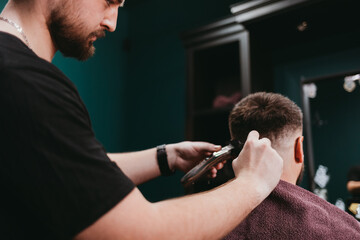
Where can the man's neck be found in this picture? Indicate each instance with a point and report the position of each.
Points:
(32, 20)
(288, 179)
(289, 172)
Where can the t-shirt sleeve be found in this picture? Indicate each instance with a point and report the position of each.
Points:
(55, 162)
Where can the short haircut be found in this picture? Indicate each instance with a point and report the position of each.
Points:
(272, 115)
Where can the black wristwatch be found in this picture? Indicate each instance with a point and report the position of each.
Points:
(163, 161)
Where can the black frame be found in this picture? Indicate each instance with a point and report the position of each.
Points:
(307, 120)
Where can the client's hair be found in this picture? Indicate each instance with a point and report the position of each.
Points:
(272, 115)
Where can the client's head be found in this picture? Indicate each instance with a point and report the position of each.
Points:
(275, 117)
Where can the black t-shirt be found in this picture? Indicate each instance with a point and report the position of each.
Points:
(55, 177)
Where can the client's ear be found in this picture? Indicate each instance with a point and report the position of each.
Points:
(299, 152)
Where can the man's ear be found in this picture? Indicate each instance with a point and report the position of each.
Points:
(299, 152)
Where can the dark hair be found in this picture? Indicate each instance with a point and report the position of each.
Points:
(272, 115)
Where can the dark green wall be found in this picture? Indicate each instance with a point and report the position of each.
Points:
(156, 81)
(157, 73)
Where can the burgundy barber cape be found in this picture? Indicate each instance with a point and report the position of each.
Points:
(291, 212)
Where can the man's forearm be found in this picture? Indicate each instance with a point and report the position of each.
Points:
(138, 166)
(208, 215)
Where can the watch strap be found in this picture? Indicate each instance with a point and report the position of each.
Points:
(163, 161)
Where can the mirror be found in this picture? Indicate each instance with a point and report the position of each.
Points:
(331, 106)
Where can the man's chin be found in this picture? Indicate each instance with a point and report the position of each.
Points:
(83, 55)
(87, 54)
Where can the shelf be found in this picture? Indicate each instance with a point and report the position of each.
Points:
(212, 111)
(218, 77)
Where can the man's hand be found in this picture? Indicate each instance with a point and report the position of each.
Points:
(260, 162)
(185, 155)
(257, 168)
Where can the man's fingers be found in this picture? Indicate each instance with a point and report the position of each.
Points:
(253, 135)
(265, 141)
(212, 173)
(259, 160)
(208, 154)
(219, 166)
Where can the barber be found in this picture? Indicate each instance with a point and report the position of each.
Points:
(58, 182)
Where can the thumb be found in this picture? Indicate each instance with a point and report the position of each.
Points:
(207, 147)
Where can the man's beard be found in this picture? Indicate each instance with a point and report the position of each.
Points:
(69, 37)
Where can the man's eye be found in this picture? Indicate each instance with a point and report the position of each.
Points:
(108, 2)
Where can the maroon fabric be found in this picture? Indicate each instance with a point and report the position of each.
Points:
(291, 212)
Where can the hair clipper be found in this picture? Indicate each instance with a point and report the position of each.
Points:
(228, 152)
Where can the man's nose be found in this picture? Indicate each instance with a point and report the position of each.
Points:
(110, 19)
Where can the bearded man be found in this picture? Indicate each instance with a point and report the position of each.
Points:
(58, 182)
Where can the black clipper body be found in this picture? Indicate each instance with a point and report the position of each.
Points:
(227, 153)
